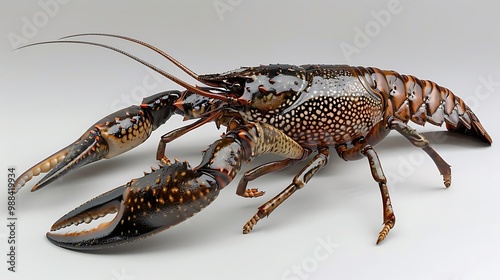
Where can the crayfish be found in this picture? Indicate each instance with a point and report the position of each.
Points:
(296, 112)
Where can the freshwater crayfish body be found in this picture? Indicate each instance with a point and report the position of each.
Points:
(291, 111)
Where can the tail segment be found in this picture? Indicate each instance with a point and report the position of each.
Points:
(473, 127)
(424, 101)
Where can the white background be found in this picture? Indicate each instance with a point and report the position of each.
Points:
(51, 94)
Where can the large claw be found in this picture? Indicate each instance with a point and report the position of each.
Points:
(170, 194)
(144, 206)
(114, 134)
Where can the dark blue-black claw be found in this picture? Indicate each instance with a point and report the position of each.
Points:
(144, 206)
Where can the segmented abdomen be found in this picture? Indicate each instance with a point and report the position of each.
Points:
(409, 98)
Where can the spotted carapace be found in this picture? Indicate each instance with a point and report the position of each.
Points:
(296, 112)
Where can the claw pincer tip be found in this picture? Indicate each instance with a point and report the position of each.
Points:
(144, 206)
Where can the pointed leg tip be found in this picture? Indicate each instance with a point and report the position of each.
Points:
(250, 193)
(447, 180)
(383, 234)
(381, 238)
(252, 222)
(385, 231)
(247, 228)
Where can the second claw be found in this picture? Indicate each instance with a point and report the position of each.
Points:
(114, 134)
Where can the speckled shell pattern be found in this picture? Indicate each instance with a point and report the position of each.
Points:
(112, 135)
(158, 200)
(223, 159)
(164, 198)
(287, 110)
(172, 193)
(336, 104)
(330, 105)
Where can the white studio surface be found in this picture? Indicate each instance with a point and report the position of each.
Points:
(51, 94)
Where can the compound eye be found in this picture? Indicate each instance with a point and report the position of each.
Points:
(237, 86)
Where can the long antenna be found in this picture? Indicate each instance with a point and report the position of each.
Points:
(169, 76)
(147, 45)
